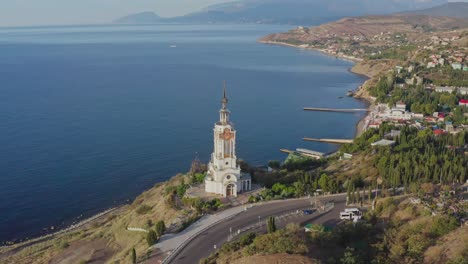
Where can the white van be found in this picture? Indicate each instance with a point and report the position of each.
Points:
(346, 215)
(355, 211)
(350, 214)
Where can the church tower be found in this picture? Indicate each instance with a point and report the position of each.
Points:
(224, 175)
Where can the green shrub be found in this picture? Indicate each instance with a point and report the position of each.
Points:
(181, 189)
(249, 250)
(350, 257)
(230, 247)
(274, 164)
(460, 260)
(64, 245)
(149, 223)
(247, 239)
(151, 237)
(188, 222)
(252, 199)
(143, 209)
(160, 228)
(442, 225)
(417, 244)
(198, 178)
(279, 242)
(170, 190)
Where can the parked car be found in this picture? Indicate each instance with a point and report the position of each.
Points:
(307, 212)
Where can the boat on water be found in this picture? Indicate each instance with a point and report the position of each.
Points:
(173, 46)
(350, 93)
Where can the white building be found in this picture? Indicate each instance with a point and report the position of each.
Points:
(451, 89)
(398, 114)
(400, 106)
(431, 65)
(395, 113)
(463, 90)
(456, 66)
(445, 89)
(224, 175)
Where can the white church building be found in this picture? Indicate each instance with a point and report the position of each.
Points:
(224, 176)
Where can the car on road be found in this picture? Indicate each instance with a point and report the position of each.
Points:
(307, 212)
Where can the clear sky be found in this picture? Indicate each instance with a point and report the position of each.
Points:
(49, 12)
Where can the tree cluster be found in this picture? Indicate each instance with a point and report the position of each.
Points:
(419, 156)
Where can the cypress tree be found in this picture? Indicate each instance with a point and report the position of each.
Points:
(348, 193)
(271, 226)
(358, 193)
(151, 237)
(370, 193)
(134, 258)
(160, 228)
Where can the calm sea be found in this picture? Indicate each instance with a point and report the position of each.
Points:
(91, 116)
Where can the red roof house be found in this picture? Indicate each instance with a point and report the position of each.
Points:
(463, 102)
(438, 132)
(374, 125)
(441, 116)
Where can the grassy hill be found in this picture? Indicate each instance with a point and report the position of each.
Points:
(369, 26)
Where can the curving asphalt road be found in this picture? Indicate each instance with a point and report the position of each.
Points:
(203, 245)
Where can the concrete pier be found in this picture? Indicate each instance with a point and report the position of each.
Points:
(287, 151)
(333, 141)
(335, 110)
(304, 154)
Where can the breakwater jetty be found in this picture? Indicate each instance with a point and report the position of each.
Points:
(329, 140)
(305, 153)
(309, 153)
(335, 110)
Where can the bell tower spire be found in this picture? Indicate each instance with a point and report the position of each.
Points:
(224, 112)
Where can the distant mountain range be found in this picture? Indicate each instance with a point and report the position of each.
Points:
(305, 12)
(140, 18)
(459, 10)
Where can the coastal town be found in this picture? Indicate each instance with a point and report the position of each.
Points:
(420, 75)
(446, 114)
